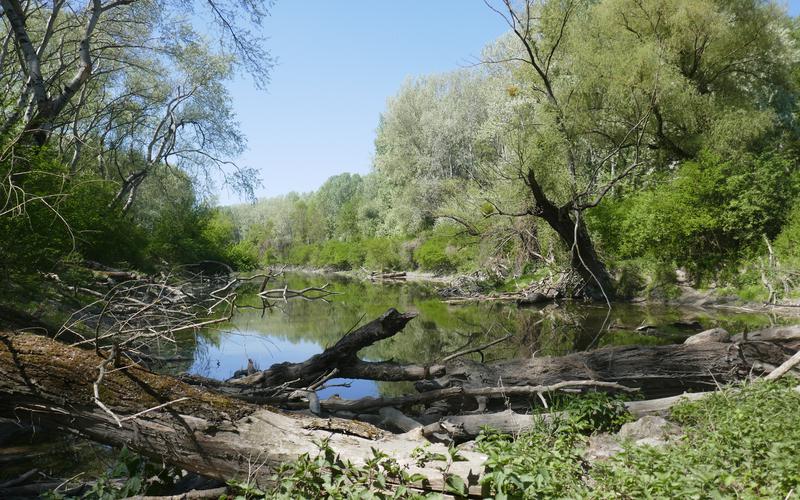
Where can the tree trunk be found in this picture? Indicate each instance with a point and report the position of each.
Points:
(51, 385)
(584, 259)
(658, 371)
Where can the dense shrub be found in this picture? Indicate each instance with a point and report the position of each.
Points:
(383, 254)
(432, 255)
(707, 215)
(339, 255)
(787, 244)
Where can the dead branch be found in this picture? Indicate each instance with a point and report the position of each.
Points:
(478, 349)
(465, 392)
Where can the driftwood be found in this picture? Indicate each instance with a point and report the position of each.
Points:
(460, 392)
(774, 334)
(390, 276)
(658, 371)
(342, 356)
(50, 385)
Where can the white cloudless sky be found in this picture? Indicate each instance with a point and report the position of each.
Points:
(338, 62)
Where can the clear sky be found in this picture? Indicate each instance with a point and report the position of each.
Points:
(338, 62)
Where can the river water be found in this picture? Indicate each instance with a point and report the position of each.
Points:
(297, 329)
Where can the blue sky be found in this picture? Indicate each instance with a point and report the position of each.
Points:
(338, 62)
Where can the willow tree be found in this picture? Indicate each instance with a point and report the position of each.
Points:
(615, 90)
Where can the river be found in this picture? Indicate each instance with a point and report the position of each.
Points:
(297, 329)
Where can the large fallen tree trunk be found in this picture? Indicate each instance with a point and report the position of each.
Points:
(657, 371)
(48, 384)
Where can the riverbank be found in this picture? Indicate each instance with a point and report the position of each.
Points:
(465, 288)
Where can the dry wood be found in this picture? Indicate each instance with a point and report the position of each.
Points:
(207, 433)
(784, 368)
(461, 392)
(773, 334)
(397, 419)
(22, 479)
(343, 357)
(400, 275)
(659, 371)
(479, 349)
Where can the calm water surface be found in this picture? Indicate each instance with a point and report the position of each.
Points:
(295, 330)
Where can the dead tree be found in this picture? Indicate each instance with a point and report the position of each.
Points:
(195, 429)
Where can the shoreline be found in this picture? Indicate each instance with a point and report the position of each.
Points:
(690, 297)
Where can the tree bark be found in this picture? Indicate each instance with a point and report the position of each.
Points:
(584, 259)
(51, 385)
(658, 371)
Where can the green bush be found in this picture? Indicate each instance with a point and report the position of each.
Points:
(242, 256)
(706, 216)
(339, 255)
(432, 255)
(383, 254)
(302, 255)
(61, 217)
(787, 244)
(740, 443)
(630, 280)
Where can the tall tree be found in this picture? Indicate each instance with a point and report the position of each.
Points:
(133, 82)
(617, 88)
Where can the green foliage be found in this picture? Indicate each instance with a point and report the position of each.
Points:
(446, 250)
(433, 255)
(384, 254)
(787, 243)
(707, 215)
(630, 280)
(339, 255)
(138, 475)
(739, 443)
(545, 462)
(326, 475)
(302, 254)
(58, 216)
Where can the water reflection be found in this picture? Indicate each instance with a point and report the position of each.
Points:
(298, 329)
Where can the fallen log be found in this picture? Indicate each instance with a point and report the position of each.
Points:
(773, 334)
(658, 371)
(50, 385)
(460, 392)
(342, 356)
(400, 275)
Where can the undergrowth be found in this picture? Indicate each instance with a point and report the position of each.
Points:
(739, 443)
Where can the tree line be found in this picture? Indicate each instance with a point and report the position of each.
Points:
(623, 139)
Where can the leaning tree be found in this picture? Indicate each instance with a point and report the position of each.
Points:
(609, 92)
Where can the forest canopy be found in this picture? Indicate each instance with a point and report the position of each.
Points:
(115, 122)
